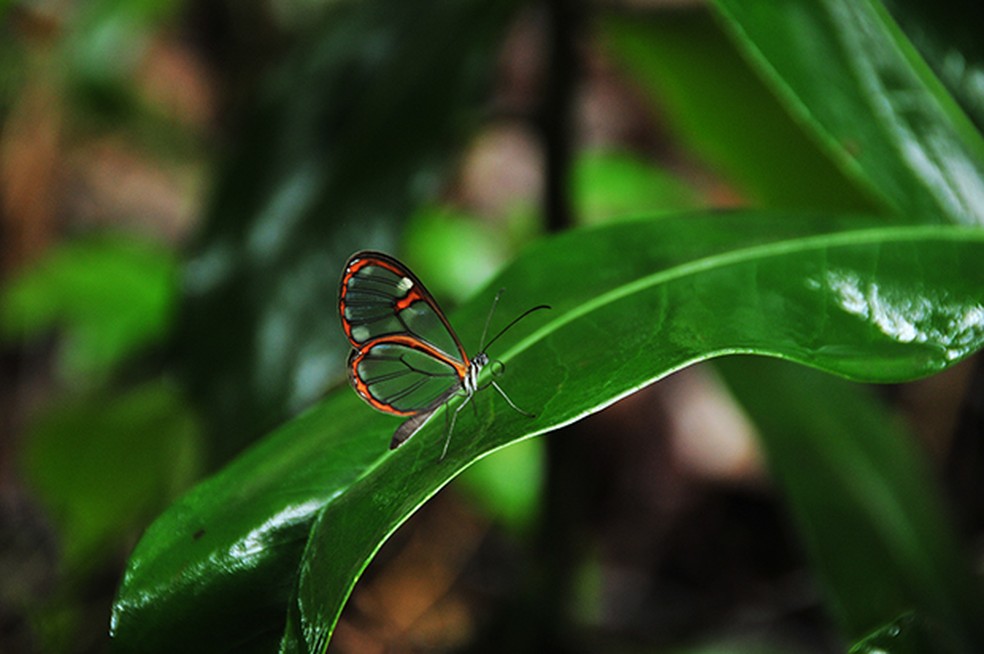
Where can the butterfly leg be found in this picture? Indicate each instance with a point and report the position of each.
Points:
(454, 418)
(511, 403)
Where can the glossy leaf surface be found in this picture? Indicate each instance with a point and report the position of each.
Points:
(840, 302)
(845, 69)
(852, 296)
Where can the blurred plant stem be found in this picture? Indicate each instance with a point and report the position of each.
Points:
(558, 543)
(556, 118)
(965, 461)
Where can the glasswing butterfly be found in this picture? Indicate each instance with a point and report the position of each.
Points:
(407, 359)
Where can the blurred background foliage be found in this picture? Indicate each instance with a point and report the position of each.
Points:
(180, 184)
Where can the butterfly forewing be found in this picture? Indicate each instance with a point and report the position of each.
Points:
(380, 297)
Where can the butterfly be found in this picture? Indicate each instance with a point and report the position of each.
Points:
(407, 360)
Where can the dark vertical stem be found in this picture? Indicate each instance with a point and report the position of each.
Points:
(964, 482)
(559, 545)
(563, 18)
(964, 474)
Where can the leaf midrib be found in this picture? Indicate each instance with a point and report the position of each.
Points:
(867, 236)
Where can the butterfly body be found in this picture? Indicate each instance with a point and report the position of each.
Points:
(406, 358)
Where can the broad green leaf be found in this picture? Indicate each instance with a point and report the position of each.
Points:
(111, 295)
(849, 302)
(916, 150)
(714, 102)
(844, 69)
(351, 136)
(846, 295)
(866, 505)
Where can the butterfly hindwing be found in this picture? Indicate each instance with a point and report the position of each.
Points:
(398, 375)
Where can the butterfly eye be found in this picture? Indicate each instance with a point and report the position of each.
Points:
(497, 368)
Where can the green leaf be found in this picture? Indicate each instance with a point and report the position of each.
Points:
(841, 302)
(865, 503)
(849, 75)
(351, 136)
(507, 483)
(609, 185)
(909, 634)
(844, 69)
(715, 103)
(214, 573)
(947, 37)
(104, 464)
(852, 296)
(112, 295)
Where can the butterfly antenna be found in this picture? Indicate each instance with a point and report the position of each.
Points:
(514, 321)
(488, 319)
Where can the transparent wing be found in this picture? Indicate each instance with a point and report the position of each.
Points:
(380, 297)
(403, 376)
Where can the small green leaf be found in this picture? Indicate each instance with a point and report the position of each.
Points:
(112, 295)
(103, 46)
(507, 483)
(610, 185)
(455, 252)
(103, 464)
